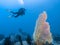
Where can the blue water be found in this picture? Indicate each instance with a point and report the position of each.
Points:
(27, 22)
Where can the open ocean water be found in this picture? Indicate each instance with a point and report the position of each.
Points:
(10, 25)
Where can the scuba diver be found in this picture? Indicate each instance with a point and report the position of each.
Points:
(20, 12)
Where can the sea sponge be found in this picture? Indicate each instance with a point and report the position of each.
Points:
(42, 29)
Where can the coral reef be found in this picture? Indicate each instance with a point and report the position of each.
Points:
(16, 39)
(41, 35)
(42, 30)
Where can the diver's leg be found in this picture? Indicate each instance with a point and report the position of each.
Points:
(16, 15)
(13, 12)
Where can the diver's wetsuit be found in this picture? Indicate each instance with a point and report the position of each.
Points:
(21, 12)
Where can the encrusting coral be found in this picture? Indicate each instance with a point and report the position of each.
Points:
(42, 32)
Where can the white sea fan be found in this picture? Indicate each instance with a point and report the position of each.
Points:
(42, 29)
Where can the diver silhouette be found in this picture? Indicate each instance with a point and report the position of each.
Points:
(20, 12)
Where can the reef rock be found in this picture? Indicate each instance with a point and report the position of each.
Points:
(42, 30)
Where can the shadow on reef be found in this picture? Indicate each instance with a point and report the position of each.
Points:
(2, 37)
(56, 38)
(17, 39)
